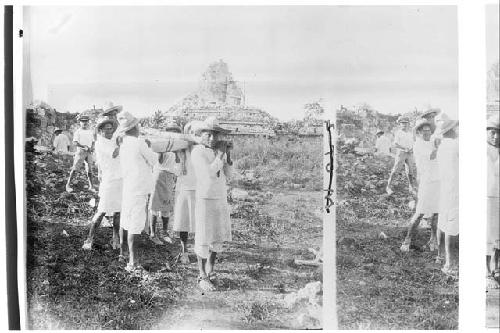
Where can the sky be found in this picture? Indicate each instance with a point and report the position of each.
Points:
(492, 34)
(148, 58)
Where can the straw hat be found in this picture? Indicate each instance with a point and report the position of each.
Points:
(379, 132)
(103, 121)
(191, 126)
(493, 122)
(429, 112)
(109, 108)
(421, 123)
(57, 129)
(446, 125)
(126, 121)
(211, 124)
(403, 119)
(172, 127)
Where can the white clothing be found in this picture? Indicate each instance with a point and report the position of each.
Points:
(187, 181)
(404, 139)
(493, 200)
(84, 137)
(134, 213)
(168, 163)
(213, 224)
(184, 211)
(109, 167)
(447, 157)
(137, 161)
(427, 169)
(110, 197)
(383, 145)
(210, 172)
(61, 143)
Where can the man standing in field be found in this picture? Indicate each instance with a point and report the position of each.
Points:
(403, 142)
(493, 202)
(213, 225)
(61, 142)
(110, 187)
(428, 184)
(448, 222)
(84, 140)
(137, 161)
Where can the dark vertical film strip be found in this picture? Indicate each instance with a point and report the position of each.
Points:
(329, 166)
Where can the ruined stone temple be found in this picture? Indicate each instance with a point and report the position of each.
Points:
(219, 95)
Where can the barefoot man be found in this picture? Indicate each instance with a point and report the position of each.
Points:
(84, 141)
(110, 187)
(493, 210)
(213, 226)
(428, 184)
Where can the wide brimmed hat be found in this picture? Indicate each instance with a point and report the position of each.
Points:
(446, 126)
(421, 123)
(110, 108)
(493, 122)
(57, 129)
(379, 132)
(172, 127)
(103, 121)
(211, 124)
(430, 111)
(191, 126)
(126, 121)
(403, 119)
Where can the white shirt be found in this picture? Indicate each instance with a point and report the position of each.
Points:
(168, 163)
(209, 185)
(404, 139)
(84, 137)
(137, 161)
(61, 143)
(427, 169)
(383, 145)
(447, 157)
(109, 167)
(493, 166)
(187, 181)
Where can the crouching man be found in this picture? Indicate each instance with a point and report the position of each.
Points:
(110, 188)
(211, 165)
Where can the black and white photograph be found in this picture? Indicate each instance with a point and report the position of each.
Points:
(174, 166)
(397, 227)
(493, 168)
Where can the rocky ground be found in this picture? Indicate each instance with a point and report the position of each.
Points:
(259, 284)
(378, 286)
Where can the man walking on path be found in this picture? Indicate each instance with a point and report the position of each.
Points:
(493, 201)
(137, 161)
(403, 142)
(110, 187)
(84, 140)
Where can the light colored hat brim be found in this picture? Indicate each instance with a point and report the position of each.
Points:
(104, 122)
(493, 122)
(448, 126)
(123, 129)
(429, 112)
(116, 108)
(218, 129)
(421, 124)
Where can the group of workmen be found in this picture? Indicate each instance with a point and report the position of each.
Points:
(180, 174)
(432, 147)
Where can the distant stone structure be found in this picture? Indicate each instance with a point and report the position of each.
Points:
(219, 95)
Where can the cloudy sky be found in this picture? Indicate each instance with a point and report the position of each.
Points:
(492, 34)
(148, 58)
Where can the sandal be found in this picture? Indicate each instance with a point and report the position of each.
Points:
(205, 284)
(134, 268)
(449, 271)
(439, 260)
(405, 247)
